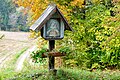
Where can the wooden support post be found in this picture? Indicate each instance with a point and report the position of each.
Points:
(51, 58)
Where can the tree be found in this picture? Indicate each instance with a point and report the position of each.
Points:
(38, 6)
(97, 38)
(6, 7)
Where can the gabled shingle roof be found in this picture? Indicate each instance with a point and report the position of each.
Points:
(47, 14)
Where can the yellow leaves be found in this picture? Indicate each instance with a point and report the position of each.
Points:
(35, 16)
(115, 42)
(19, 2)
(41, 42)
(65, 11)
(78, 3)
(37, 1)
(71, 62)
(32, 34)
(100, 38)
(38, 6)
(96, 1)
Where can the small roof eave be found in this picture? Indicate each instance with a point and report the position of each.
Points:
(68, 27)
(51, 9)
(47, 14)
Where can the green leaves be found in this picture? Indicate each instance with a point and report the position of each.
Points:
(66, 50)
(96, 37)
(37, 55)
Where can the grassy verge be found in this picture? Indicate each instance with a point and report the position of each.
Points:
(19, 53)
(8, 70)
(76, 74)
(67, 74)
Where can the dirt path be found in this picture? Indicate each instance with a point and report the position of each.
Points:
(17, 36)
(21, 59)
(11, 43)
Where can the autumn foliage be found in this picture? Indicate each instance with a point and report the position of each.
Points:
(96, 41)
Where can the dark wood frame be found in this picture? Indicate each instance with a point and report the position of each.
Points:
(54, 54)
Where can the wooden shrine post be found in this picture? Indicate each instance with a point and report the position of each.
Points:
(51, 58)
(52, 25)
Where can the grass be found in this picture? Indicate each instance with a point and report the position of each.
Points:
(8, 71)
(20, 52)
(66, 74)
(1, 36)
(76, 74)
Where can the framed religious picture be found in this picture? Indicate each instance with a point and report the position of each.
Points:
(53, 29)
